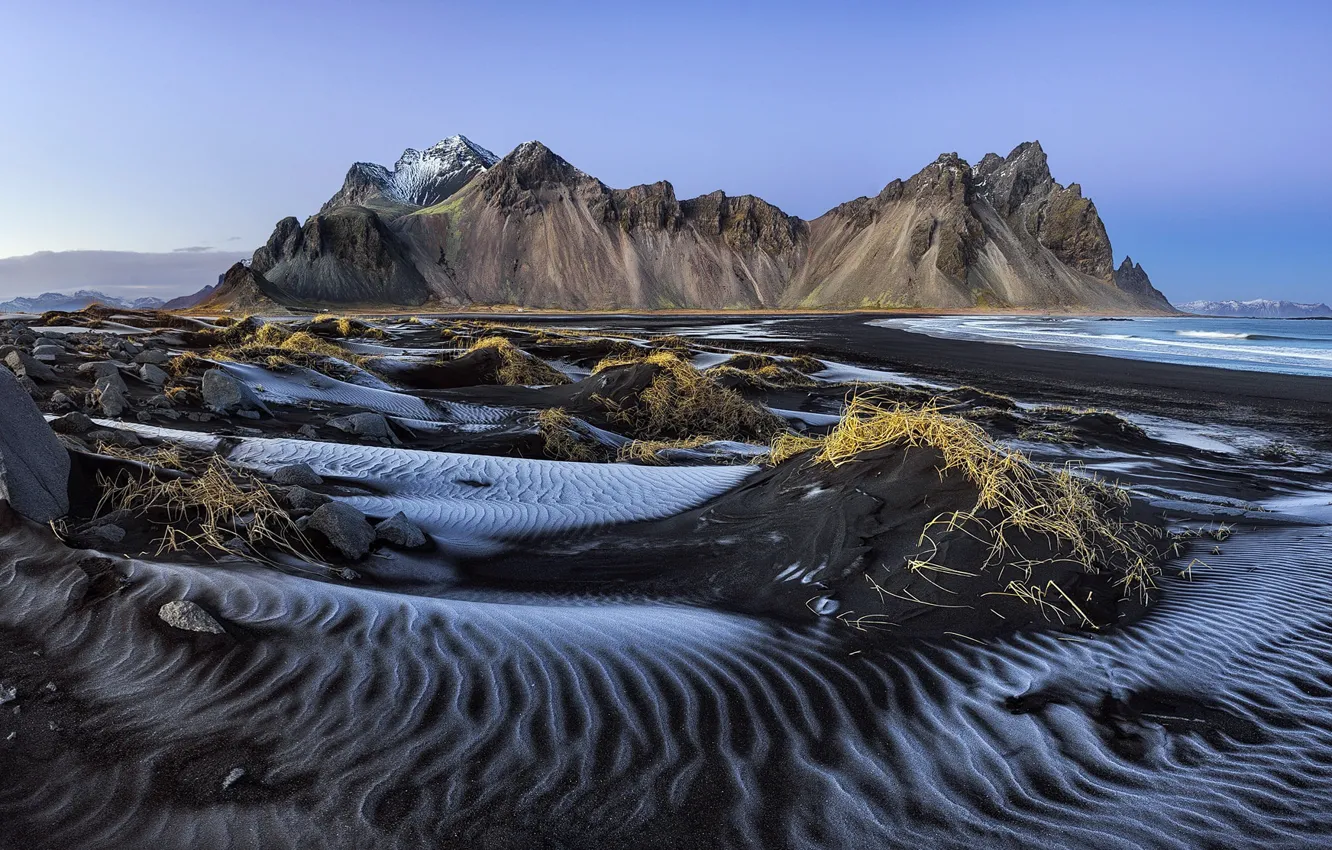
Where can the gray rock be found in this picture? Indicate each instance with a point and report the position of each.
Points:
(72, 423)
(344, 527)
(34, 466)
(30, 387)
(60, 401)
(308, 431)
(115, 437)
(300, 499)
(297, 473)
(371, 425)
(99, 536)
(398, 530)
(153, 375)
(160, 401)
(26, 366)
(152, 356)
(111, 397)
(224, 394)
(187, 616)
(47, 353)
(100, 369)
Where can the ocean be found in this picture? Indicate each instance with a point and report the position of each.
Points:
(1290, 346)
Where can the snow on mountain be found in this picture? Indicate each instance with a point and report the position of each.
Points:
(76, 300)
(421, 178)
(1258, 308)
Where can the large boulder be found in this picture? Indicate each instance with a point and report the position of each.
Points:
(369, 425)
(225, 394)
(34, 466)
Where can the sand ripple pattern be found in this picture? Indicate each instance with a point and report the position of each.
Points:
(473, 498)
(373, 719)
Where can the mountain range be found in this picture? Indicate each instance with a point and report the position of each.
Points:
(1258, 308)
(457, 226)
(75, 301)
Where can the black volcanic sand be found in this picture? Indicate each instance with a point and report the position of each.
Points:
(758, 670)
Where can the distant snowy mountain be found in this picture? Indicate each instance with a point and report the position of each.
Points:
(420, 178)
(75, 301)
(1258, 308)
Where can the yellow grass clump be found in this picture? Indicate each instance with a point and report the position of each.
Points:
(645, 451)
(517, 367)
(1017, 499)
(207, 510)
(562, 442)
(682, 402)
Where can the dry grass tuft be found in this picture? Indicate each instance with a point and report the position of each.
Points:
(517, 367)
(562, 439)
(645, 451)
(1017, 499)
(206, 511)
(681, 402)
(185, 363)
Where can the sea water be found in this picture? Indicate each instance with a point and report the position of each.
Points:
(1291, 346)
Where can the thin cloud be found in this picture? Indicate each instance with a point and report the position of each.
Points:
(193, 249)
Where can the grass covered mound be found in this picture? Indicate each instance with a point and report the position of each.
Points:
(489, 361)
(658, 396)
(1033, 523)
(765, 372)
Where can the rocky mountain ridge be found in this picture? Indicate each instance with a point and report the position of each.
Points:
(533, 230)
(76, 300)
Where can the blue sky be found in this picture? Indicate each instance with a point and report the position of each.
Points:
(1201, 130)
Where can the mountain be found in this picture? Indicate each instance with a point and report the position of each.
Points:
(76, 300)
(533, 230)
(1259, 308)
(419, 178)
(183, 301)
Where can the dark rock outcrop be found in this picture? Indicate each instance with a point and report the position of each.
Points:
(34, 466)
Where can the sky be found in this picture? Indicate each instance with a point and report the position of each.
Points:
(1201, 130)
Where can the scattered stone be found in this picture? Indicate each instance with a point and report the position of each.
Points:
(371, 425)
(72, 423)
(187, 616)
(308, 431)
(224, 394)
(47, 353)
(297, 473)
(115, 437)
(26, 366)
(34, 465)
(344, 527)
(301, 499)
(236, 775)
(60, 401)
(99, 537)
(160, 401)
(153, 374)
(111, 396)
(152, 356)
(400, 531)
(100, 369)
(8, 693)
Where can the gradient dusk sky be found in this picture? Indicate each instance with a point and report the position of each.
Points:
(1202, 130)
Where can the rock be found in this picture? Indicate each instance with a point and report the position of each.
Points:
(47, 353)
(99, 369)
(115, 437)
(224, 394)
(72, 423)
(297, 473)
(111, 397)
(30, 387)
(371, 425)
(189, 617)
(398, 530)
(160, 401)
(308, 431)
(153, 375)
(152, 357)
(99, 536)
(34, 466)
(301, 499)
(344, 527)
(60, 401)
(26, 366)
(235, 775)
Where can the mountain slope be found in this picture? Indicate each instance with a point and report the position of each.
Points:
(533, 230)
(75, 301)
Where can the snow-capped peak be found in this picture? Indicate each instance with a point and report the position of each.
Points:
(423, 178)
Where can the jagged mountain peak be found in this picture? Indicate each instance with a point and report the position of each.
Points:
(418, 178)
